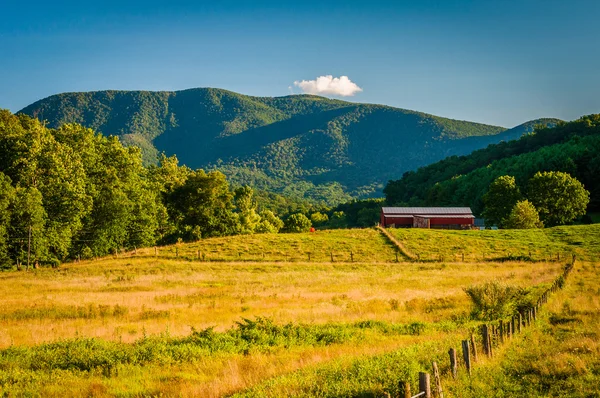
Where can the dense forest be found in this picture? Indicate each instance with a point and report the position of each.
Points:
(573, 148)
(70, 192)
(301, 146)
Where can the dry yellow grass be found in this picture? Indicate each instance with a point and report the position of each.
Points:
(123, 299)
(126, 298)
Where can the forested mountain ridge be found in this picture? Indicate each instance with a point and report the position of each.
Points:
(303, 146)
(572, 147)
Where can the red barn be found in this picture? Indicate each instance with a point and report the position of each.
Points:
(427, 217)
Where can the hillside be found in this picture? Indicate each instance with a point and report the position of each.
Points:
(572, 147)
(301, 145)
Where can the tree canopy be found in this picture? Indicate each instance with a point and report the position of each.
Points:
(558, 197)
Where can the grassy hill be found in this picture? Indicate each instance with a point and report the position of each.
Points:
(301, 145)
(572, 147)
(140, 324)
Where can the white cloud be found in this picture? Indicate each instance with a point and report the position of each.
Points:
(329, 85)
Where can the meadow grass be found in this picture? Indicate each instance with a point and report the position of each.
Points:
(146, 326)
(343, 245)
(558, 243)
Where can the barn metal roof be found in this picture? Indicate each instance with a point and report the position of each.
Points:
(427, 210)
(428, 215)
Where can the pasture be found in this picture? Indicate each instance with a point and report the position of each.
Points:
(254, 317)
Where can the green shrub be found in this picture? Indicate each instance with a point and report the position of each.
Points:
(494, 300)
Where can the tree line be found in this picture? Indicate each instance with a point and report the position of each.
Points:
(71, 193)
(572, 148)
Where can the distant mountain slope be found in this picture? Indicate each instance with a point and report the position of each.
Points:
(301, 145)
(572, 147)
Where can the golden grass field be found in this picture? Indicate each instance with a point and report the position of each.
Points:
(137, 297)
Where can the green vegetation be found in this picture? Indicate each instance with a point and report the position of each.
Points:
(495, 300)
(531, 244)
(572, 148)
(297, 223)
(555, 197)
(144, 325)
(301, 146)
(70, 193)
(558, 197)
(523, 215)
(559, 357)
(500, 199)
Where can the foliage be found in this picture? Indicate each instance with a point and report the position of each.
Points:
(572, 148)
(319, 219)
(297, 223)
(70, 192)
(494, 300)
(246, 206)
(524, 215)
(269, 222)
(202, 206)
(500, 200)
(305, 147)
(558, 197)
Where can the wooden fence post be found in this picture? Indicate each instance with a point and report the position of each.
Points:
(331, 254)
(438, 380)
(453, 364)
(485, 340)
(467, 355)
(176, 251)
(406, 387)
(520, 322)
(134, 250)
(155, 251)
(501, 331)
(473, 348)
(351, 257)
(425, 384)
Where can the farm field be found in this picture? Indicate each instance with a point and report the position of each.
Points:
(139, 325)
(532, 244)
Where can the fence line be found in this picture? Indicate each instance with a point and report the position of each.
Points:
(318, 256)
(493, 334)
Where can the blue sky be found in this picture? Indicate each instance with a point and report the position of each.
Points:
(500, 62)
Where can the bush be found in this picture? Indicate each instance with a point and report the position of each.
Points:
(297, 223)
(523, 216)
(495, 300)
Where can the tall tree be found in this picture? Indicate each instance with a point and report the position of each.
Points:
(202, 206)
(29, 242)
(500, 199)
(246, 206)
(558, 197)
(6, 197)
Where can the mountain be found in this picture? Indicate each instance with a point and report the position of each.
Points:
(303, 146)
(572, 147)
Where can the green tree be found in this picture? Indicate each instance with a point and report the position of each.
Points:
(558, 197)
(29, 243)
(338, 220)
(367, 217)
(246, 206)
(297, 223)
(203, 206)
(318, 219)
(523, 216)
(269, 222)
(500, 199)
(6, 197)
